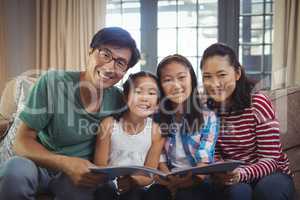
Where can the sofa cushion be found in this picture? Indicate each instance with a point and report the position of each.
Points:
(8, 102)
(23, 86)
(294, 158)
(286, 103)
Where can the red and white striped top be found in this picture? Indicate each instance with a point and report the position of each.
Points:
(254, 137)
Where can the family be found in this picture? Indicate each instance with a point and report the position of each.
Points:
(75, 120)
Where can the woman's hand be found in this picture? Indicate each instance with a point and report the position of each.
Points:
(229, 178)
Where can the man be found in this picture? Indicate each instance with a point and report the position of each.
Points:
(55, 142)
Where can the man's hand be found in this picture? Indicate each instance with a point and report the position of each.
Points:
(78, 171)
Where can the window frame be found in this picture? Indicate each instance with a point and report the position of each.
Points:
(228, 31)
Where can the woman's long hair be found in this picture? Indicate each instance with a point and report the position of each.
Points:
(241, 97)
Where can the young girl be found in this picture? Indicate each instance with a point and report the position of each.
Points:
(249, 131)
(131, 138)
(190, 128)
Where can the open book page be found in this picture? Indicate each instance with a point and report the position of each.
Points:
(224, 166)
(113, 172)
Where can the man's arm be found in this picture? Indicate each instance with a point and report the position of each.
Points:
(26, 145)
(77, 169)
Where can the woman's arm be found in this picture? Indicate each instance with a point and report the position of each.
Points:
(268, 146)
(103, 142)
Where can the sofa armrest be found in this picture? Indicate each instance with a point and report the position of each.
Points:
(4, 125)
(8, 104)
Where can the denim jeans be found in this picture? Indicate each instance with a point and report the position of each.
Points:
(276, 186)
(22, 179)
(201, 191)
(109, 192)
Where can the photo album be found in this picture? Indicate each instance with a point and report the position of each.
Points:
(113, 172)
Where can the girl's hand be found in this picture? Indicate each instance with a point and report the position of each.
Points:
(167, 183)
(141, 180)
(125, 183)
(183, 181)
(190, 181)
(162, 181)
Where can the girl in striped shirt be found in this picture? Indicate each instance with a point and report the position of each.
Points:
(249, 131)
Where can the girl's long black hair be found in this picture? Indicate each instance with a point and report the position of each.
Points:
(129, 84)
(193, 107)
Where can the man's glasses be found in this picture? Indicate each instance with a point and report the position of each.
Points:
(106, 56)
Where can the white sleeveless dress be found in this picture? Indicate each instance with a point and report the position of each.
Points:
(129, 149)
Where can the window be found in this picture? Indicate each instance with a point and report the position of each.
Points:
(255, 40)
(187, 27)
(126, 14)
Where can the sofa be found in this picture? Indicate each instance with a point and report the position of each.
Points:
(285, 101)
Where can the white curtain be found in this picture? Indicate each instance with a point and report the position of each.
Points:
(3, 48)
(286, 45)
(64, 31)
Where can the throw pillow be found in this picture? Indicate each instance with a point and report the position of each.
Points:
(23, 86)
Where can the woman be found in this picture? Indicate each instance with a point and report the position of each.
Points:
(191, 131)
(249, 131)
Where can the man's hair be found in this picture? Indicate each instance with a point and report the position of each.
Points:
(118, 37)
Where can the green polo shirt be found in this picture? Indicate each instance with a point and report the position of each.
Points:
(55, 110)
